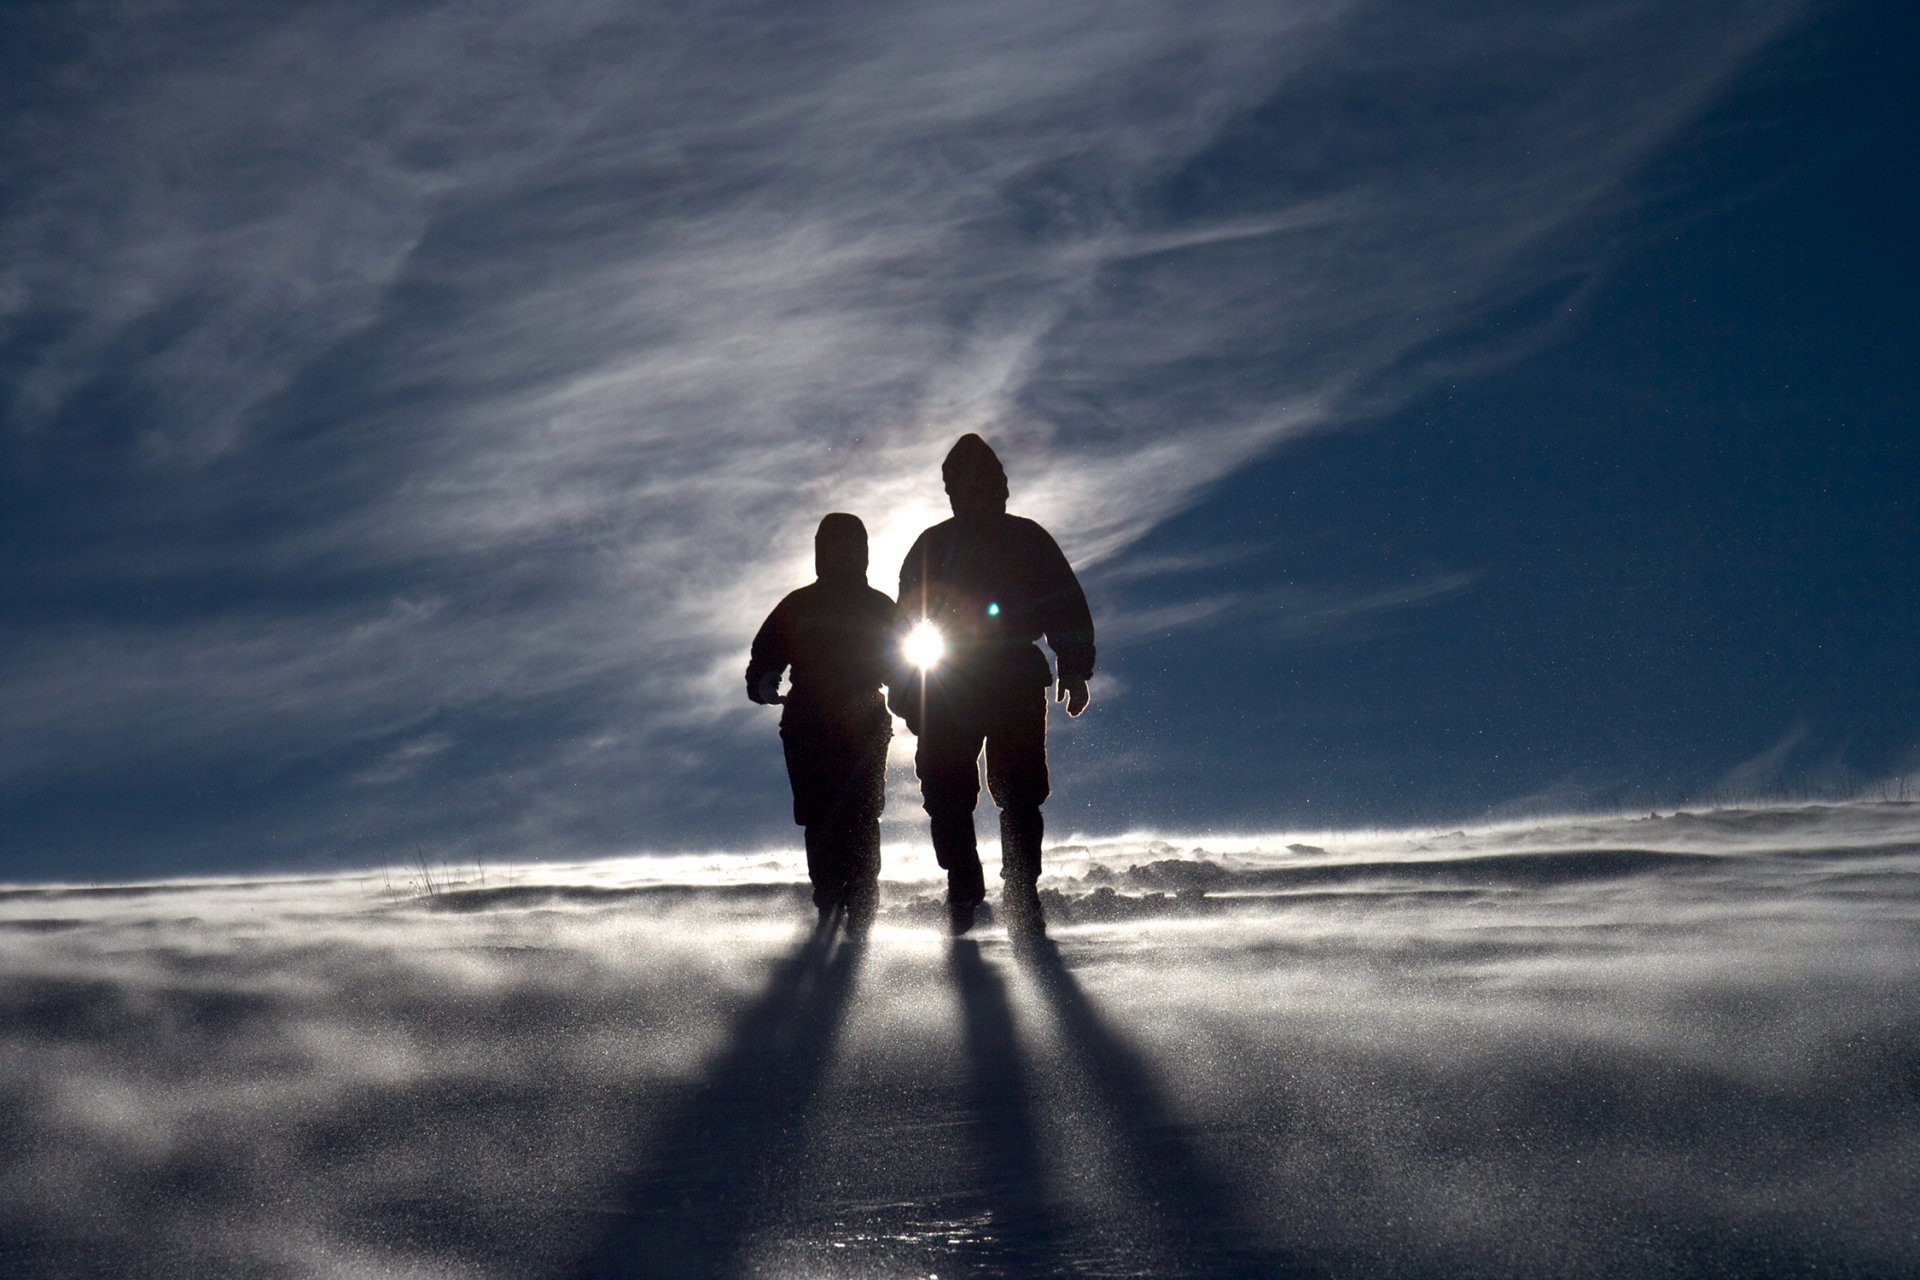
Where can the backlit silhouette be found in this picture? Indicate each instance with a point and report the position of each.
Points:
(837, 636)
(991, 584)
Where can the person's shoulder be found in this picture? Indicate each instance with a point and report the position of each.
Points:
(934, 535)
(798, 598)
(934, 532)
(838, 597)
(1030, 530)
(781, 615)
(877, 609)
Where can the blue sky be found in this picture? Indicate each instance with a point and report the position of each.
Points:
(409, 413)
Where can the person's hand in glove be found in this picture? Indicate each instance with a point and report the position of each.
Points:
(1074, 693)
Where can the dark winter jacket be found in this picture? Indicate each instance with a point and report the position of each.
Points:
(994, 584)
(837, 636)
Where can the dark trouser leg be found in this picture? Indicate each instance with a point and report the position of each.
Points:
(826, 865)
(947, 760)
(809, 746)
(863, 904)
(863, 874)
(837, 763)
(1017, 779)
(1021, 831)
(957, 850)
(866, 797)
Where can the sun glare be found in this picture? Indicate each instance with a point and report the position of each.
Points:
(923, 646)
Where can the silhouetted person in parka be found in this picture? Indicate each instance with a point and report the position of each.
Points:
(993, 584)
(837, 635)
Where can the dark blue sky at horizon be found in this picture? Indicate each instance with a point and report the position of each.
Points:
(408, 419)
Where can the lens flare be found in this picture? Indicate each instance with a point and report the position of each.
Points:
(923, 646)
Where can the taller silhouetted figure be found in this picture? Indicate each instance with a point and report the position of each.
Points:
(837, 635)
(993, 584)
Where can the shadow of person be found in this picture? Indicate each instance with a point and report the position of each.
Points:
(1200, 1211)
(1013, 1181)
(714, 1162)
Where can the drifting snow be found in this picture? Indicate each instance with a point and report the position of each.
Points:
(1682, 1044)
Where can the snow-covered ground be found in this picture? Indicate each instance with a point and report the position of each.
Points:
(1676, 1045)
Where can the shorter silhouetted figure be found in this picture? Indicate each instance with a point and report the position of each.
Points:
(837, 637)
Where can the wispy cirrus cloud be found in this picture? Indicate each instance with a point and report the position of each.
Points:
(576, 317)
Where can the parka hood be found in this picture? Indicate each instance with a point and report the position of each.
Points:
(976, 482)
(840, 548)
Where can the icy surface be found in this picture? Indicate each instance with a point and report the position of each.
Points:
(1684, 1044)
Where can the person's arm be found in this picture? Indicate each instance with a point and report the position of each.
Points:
(772, 652)
(1067, 622)
(1064, 615)
(905, 685)
(896, 670)
(913, 582)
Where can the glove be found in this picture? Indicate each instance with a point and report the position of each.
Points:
(1074, 693)
(767, 692)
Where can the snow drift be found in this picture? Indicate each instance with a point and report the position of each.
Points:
(1679, 1044)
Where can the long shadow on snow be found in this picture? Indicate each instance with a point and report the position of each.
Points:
(1025, 1232)
(714, 1162)
(1207, 1229)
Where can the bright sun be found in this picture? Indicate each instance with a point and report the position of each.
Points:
(923, 646)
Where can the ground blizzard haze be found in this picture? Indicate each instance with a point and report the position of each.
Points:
(1668, 1045)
